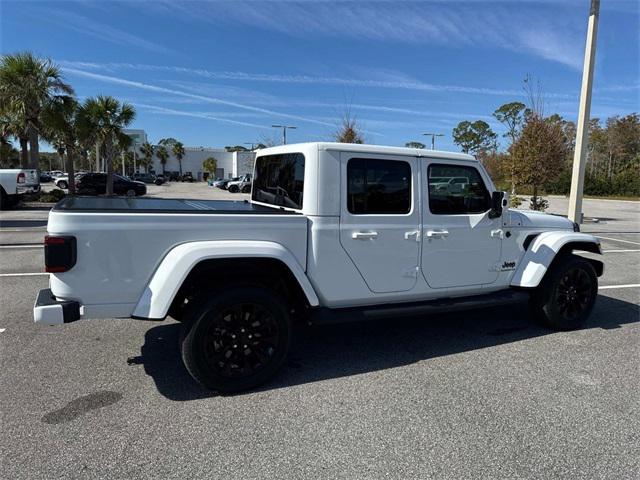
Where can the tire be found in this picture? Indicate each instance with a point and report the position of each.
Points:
(234, 189)
(63, 185)
(131, 193)
(246, 189)
(566, 296)
(4, 200)
(213, 326)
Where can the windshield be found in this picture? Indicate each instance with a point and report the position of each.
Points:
(279, 180)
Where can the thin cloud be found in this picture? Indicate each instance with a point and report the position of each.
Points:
(505, 25)
(398, 81)
(86, 26)
(207, 116)
(213, 100)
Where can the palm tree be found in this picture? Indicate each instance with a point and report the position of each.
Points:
(123, 144)
(178, 152)
(28, 85)
(103, 118)
(60, 127)
(146, 149)
(162, 154)
(12, 125)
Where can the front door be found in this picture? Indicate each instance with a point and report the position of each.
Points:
(462, 245)
(380, 219)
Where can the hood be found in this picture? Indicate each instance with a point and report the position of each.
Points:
(533, 219)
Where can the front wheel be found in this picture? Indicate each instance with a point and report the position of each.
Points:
(567, 293)
(63, 185)
(233, 189)
(131, 192)
(236, 340)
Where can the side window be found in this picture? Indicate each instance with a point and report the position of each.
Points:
(457, 190)
(378, 186)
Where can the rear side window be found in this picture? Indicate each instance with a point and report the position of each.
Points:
(279, 180)
(378, 186)
(457, 190)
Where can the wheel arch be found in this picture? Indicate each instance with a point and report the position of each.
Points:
(202, 262)
(546, 248)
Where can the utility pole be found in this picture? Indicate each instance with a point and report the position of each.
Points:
(582, 131)
(284, 131)
(433, 138)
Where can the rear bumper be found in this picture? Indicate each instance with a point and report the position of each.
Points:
(50, 311)
(22, 189)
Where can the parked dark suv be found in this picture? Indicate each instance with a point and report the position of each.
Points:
(96, 184)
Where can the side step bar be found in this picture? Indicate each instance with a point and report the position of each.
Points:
(325, 315)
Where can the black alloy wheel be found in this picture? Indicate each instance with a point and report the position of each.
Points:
(573, 293)
(566, 296)
(236, 339)
(241, 340)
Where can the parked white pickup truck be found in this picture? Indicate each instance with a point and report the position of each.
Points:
(333, 232)
(14, 183)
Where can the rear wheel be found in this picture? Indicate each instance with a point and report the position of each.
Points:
(567, 294)
(246, 189)
(234, 189)
(237, 340)
(131, 192)
(63, 184)
(4, 199)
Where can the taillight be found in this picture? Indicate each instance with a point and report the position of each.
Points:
(21, 178)
(59, 253)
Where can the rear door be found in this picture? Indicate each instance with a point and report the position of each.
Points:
(380, 219)
(462, 245)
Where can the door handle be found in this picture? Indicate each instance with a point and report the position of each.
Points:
(497, 234)
(437, 233)
(415, 233)
(364, 235)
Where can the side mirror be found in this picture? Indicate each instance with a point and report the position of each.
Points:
(498, 202)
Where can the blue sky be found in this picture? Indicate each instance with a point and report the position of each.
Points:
(222, 72)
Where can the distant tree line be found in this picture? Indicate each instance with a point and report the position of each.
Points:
(538, 157)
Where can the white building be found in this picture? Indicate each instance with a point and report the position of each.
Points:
(138, 136)
(229, 164)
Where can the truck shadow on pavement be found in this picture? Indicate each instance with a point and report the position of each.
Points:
(325, 352)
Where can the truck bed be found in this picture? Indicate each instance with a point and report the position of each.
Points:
(121, 241)
(164, 205)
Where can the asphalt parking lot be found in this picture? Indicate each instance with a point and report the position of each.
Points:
(482, 394)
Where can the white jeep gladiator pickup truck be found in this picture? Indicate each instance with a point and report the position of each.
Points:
(333, 232)
(15, 182)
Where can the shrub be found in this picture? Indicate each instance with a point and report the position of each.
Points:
(53, 196)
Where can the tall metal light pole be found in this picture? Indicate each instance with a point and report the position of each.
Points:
(433, 138)
(284, 131)
(582, 132)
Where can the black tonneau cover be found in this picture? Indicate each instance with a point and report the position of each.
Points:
(163, 205)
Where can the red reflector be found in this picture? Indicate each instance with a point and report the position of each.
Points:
(54, 240)
(55, 269)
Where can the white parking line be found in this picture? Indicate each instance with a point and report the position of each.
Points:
(620, 251)
(618, 240)
(629, 285)
(31, 274)
(26, 246)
